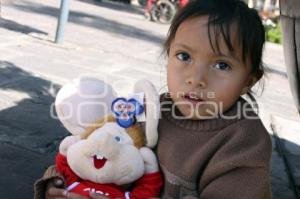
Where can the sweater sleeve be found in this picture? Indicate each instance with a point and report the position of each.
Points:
(241, 167)
(41, 184)
(246, 183)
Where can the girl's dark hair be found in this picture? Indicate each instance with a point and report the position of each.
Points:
(222, 14)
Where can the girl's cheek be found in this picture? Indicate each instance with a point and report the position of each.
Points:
(176, 65)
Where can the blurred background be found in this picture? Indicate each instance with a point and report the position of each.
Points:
(121, 41)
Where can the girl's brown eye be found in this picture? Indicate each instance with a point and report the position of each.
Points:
(185, 57)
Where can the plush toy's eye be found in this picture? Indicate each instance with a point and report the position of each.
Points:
(118, 138)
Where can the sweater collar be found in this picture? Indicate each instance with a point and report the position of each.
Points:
(232, 115)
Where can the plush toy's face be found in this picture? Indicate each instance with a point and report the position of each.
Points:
(106, 156)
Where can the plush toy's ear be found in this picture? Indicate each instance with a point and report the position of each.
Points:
(67, 142)
(152, 107)
(82, 102)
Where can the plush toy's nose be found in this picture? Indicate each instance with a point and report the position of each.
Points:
(109, 146)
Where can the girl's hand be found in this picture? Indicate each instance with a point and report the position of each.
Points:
(54, 189)
(97, 196)
(55, 193)
(92, 196)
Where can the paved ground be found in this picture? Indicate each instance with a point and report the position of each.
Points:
(107, 39)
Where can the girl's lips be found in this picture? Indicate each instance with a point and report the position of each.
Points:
(192, 99)
(99, 162)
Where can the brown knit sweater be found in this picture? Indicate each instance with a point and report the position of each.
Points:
(209, 159)
(214, 158)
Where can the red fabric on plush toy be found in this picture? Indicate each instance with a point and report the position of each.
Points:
(147, 186)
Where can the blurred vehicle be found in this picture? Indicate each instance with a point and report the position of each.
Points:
(122, 1)
(163, 11)
(142, 3)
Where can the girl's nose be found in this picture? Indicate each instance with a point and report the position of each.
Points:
(201, 84)
(197, 79)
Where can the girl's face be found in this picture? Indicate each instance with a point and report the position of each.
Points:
(203, 82)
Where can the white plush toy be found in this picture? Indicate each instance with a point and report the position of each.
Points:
(109, 152)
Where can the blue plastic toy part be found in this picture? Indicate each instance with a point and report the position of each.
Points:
(126, 110)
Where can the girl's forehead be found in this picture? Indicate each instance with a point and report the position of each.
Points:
(191, 30)
(195, 33)
(194, 22)
(196, 28)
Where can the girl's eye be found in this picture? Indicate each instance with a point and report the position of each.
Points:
(118, 138)
(183, 57)
(222, 66)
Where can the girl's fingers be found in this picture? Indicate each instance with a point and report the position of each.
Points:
(55, 197)
(55, 192)
(75, 196)
(94, 195)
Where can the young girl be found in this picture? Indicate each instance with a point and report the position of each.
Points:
(211, 143)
